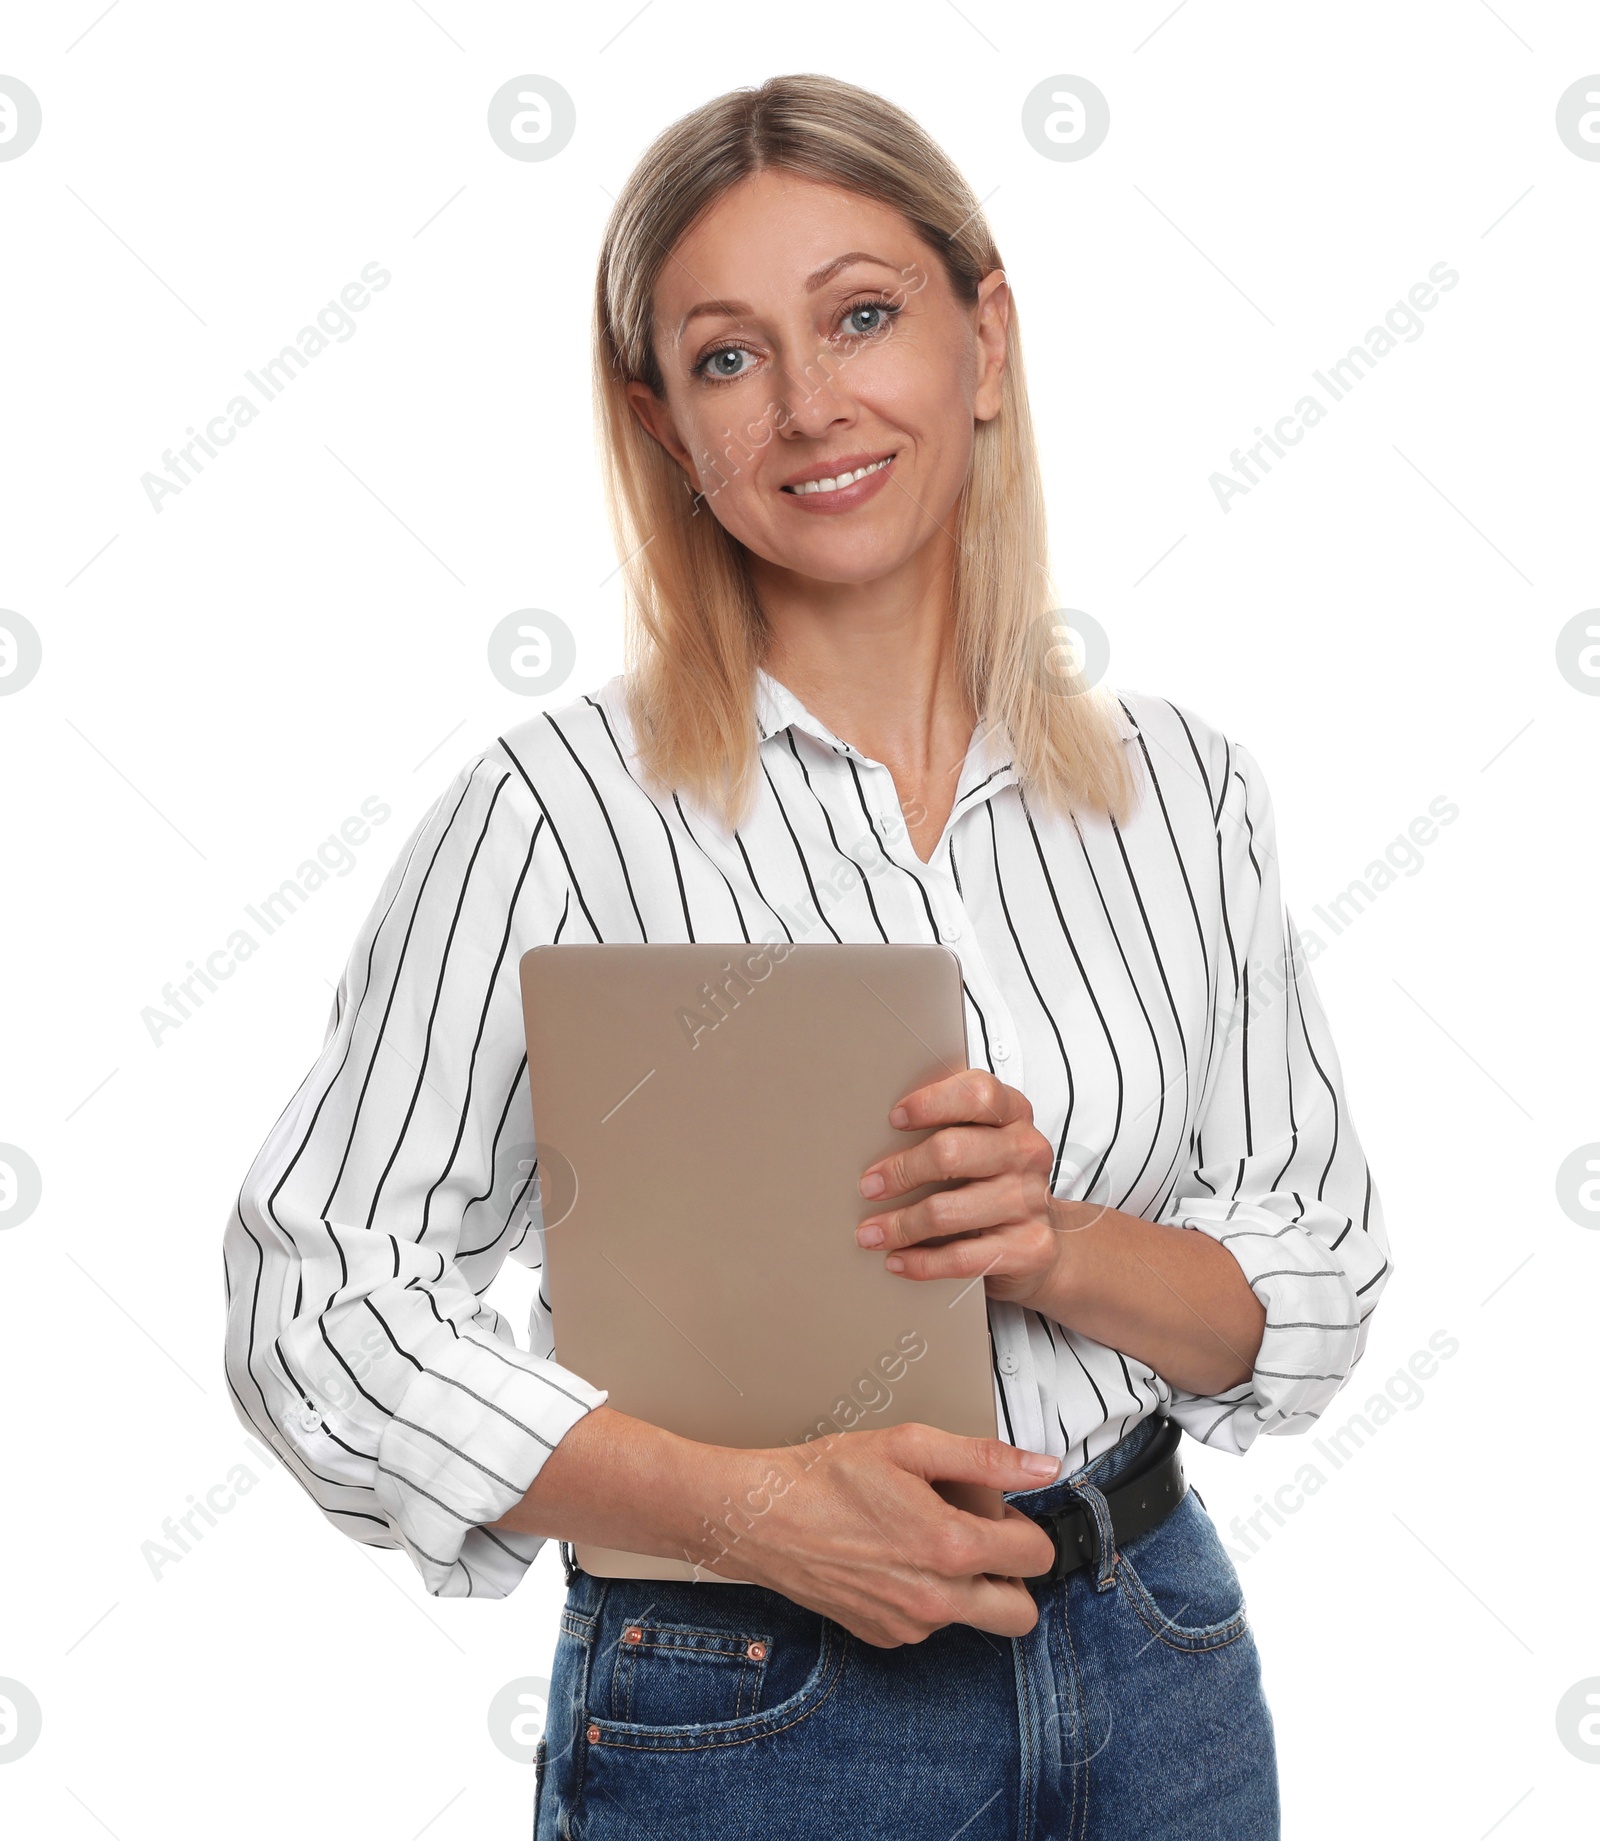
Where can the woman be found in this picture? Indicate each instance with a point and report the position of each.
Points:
(849, 715)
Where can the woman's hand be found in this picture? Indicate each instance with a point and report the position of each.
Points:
(1175, 1299)
(851, 1526)
(1006, 1225)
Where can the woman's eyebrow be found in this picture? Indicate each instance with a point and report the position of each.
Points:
(823, 275)
(829, 269)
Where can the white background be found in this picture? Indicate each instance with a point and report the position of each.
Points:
(304, 626)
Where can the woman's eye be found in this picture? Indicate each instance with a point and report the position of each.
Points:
(725, 364)
(715, 364)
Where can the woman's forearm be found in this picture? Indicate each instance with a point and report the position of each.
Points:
(850, 1525)
(1172, 1297)
(621, 1482)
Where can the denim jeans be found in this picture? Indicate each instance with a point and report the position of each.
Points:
(1133, 1710)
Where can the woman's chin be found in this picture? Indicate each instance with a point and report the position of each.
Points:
(846, 558)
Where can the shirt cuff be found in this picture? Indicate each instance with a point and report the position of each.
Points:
(1313, 1333)
(469, 1436)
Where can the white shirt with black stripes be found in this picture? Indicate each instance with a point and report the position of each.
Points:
(1143, 985)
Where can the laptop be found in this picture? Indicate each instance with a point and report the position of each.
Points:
(702, 1115)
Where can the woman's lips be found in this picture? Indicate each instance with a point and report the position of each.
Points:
(843, 498)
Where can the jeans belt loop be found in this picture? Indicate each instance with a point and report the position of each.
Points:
(1097, 1514)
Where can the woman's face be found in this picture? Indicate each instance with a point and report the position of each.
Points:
(801, 331)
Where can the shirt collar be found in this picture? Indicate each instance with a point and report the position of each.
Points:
(778, 708)
(988, 764)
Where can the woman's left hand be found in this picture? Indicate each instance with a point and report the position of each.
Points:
(1007, 1223)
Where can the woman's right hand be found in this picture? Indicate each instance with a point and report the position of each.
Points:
(852, 1526)
(849, 1525)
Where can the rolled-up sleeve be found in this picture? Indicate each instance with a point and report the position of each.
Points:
(1278, 1175)
(387, 1197)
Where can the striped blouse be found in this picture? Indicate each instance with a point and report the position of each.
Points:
(1142, 984)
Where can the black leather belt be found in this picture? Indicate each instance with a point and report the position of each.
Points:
(1137, 1501)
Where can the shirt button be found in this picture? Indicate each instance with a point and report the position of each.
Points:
(310, 1419)
(1008, 1362)
(1002, 1051)
(951, 930)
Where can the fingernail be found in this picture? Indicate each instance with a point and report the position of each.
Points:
(895, 1263)
(872, 1183)
(1038, 1464)
(869, 1234)
(899, 1116)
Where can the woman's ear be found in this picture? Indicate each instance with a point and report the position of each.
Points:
(994, 316)
(656, 418)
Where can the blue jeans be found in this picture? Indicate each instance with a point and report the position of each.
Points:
(1132, 1711)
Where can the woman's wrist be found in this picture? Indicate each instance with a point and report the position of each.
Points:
(621, 1482)
(1069, 1290)
(1173, 1298)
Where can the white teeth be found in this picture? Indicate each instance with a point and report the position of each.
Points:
(842, 480)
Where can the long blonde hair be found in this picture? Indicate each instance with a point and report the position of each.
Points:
(695, 631)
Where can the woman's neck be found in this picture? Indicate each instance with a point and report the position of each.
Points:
(876, 662)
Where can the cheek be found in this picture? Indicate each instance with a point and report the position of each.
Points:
(739, 504)
(727, 424)
(922, 378)
(734, 450)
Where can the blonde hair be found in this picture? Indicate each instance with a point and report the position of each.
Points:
(695, 632)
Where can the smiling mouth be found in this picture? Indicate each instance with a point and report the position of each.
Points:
(839, 481)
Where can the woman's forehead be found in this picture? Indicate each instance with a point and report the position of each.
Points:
(785, 226)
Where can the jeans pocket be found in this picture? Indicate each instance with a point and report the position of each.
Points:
(695, 1665)
(667, 1674)
(1179, 1580)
